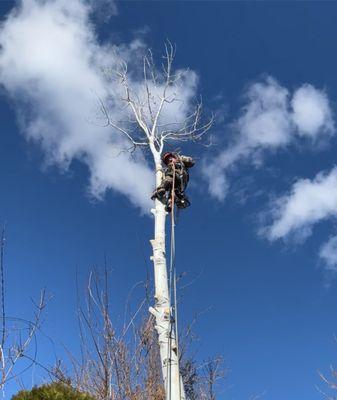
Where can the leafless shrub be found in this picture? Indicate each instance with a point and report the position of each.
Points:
(125, 365)
(113, 365)
(18, 344)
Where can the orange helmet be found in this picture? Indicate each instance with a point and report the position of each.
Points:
(167, 156)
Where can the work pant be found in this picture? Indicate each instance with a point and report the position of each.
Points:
(167, 184)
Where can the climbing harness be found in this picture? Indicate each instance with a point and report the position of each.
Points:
(176, 171)
(177, 195)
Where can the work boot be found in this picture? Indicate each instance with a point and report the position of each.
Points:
(182, 202)
(159, 193)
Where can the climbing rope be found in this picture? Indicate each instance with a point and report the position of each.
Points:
(173, 288)
(172, 252)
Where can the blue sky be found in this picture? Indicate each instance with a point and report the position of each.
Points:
(266, 68)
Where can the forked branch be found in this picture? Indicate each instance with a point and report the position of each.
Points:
(149, 100)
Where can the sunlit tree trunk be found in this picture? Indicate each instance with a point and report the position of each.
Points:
(162, 309)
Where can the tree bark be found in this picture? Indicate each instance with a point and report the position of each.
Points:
(174, 388)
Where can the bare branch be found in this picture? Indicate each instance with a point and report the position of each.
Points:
(18, 347)
(147, 106)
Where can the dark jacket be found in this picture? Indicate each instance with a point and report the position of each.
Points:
(181, 167)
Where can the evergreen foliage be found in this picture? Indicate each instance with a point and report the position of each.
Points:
(52, 391)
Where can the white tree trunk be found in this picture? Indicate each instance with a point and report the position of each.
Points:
(162, 309)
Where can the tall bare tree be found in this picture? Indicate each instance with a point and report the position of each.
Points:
(150, 127)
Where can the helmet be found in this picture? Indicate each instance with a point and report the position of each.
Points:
(167, 156)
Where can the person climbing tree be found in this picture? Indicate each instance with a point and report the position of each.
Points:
(175, 175)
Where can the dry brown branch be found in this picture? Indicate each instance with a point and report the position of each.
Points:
(112, 366)
(20, 344)
(124, 364)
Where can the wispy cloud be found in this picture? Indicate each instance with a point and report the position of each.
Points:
(51, 65)
(328, 254)
(272, 118)
(308, 203)
(103, 10)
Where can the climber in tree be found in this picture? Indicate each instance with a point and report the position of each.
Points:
(176, 171)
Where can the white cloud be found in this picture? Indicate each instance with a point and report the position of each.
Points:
(328, 254)
(311, 112)
(308, 203)
(51, 65)
(265, 119)
(271, 119)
